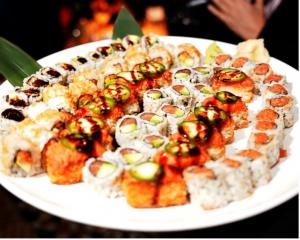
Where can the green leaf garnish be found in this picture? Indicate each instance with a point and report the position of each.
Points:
(125, 24)
(15, 64)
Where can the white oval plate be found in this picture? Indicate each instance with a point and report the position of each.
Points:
(79, 203)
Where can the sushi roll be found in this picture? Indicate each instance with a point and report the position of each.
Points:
(236, 174)
(113, 65)
(206, 189)
(129, 155)
(104, 175)
(153, 143)
(275, 78)
(105, 51)
(283, 104)
(135, 55)
(128, 129)
(140, 184)
(66, 69)
(64, 158)
(235, 82)
(153, 99)
(154, 123)
(52, 74)
(95, 59)
(118, 47)
(187, 55)
(181, 96)
(174, 116)
(222, 60)
(158, 53)
(150, 41)
(81, 64)
(244, 64)
(260, 171)
(131, 40)
(17, 99)
(172, 190)
(36, 81)
(268, 114)
(203, 74)
(259, 73)
(201, 92)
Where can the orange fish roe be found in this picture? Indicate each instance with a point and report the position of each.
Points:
(273, 78)
(239, 62)
(262, 138)
(222, 58)
(262, 69)
(265, 125)
(277, 88)
(232, 163)
(267, 115)
(281, 101)
(250, 153)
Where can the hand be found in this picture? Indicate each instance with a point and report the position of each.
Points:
(245, 19)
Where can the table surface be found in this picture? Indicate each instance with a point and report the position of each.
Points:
(23, 220)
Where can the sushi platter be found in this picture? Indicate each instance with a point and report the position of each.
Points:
(152, 134)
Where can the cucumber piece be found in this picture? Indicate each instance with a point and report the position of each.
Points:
(147, 171)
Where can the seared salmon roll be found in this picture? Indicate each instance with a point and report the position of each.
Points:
(244, 64)
(63, 159)
(153, 99)
(187, 55)
(260, 171)
(283, 104)
(140, 184)
(104, 175)
(172, 189)
(236, 174)
(181, 96)
(234, 81)
(205, 188)
(222, 60)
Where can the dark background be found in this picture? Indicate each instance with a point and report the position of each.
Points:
(44, 27)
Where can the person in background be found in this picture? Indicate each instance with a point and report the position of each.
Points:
(237, 20)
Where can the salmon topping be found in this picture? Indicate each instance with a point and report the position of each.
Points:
(208, 173)
(222, 58)
(265, 125)
(283, 153)
(281, 101)
(267, 115)
(262, 138)
(232, 163)
(262, 69)
(278, 89)
(250, 153)
(239, 62)
(273, 78)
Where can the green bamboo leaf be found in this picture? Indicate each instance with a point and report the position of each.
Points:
(15, 64)
(126, 24)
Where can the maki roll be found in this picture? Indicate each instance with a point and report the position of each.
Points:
(184, 76)
(187, 55)
(130, 155)
(150, 41)
(153, 99)
(283, 104)
(17, 99)
(201, 92)
(36, 81)
(234, 81)
(33, 93)
(222, 60)
(154, 123)
(275, 78)
(206, 189)
(140, 184)
(153, 143)
(236, 174)
(66, 69)
(104, 175)
(259, 74)
(52, 74)
(160, 54)
(95, 59)
(203, 74)
(174, 116)
(135, 55)
(244, 64)
(64, 158)
(128, 129)
(260, 171)
(105, 51)
(131, 40)
(81, 64)
(181, 96)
